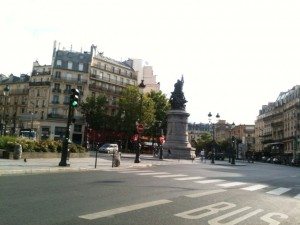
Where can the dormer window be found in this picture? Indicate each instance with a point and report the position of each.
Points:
(58, 62)
(80, 67)
(70, 65)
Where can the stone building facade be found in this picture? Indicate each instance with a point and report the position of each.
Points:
(277, 128)
(40, 101)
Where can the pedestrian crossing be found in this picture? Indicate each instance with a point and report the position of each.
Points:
(277, 191)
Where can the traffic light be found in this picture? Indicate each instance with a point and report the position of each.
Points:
(74, 99)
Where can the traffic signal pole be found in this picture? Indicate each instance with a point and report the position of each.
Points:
(74, 101)
(64, 152)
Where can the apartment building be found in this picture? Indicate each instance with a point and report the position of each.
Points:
(13, 102)
(277, 128)
(40, 101)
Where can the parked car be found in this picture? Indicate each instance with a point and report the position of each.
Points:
(109, 148)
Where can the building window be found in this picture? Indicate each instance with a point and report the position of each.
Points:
(58, 62)
(60, 131)
(70, 65)
(68, 87)
(79, 77)
(80, 67)
(77, 128)
(54, 111)
(57, 74)
(67, 99)
(55, 99)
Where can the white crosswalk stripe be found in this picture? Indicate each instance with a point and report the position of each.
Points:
(135, 171)
(189, 178)
(278, 191)
(209, 181)
(204, 193)
(172, 175)
(297, 196)
(255, 187)
(154, 173)
(231, 184)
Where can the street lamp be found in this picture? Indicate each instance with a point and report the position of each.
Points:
(212, 129)
(232, 145)
(138, 145)
(6, 94)
(158, 136)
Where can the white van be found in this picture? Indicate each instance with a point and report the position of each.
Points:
(109, 148)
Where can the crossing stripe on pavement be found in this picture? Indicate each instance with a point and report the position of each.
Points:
(189, 178)
(209, 181)
(124, 209)
(172, 175)
(255, 187)
(231, 184)
(204, 193)
(135, 171)
(297, 196)
(278, 191)
(154, 173)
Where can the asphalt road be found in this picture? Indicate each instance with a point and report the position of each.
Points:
(175, 194)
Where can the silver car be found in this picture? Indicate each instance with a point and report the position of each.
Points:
(109, 148)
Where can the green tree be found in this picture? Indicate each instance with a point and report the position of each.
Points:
(94, 110)
(204, 142)
(161, 106)
(135, 107)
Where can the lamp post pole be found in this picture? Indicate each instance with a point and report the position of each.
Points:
(138, 144)
(232, 144)
(5, 94)
(212, 125)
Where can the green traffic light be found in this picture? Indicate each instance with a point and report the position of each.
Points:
(74, 104)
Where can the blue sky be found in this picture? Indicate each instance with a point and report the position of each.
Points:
(235, 55)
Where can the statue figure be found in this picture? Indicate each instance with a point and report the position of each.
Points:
(177, 99)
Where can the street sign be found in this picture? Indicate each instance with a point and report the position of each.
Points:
(135, 137)
(162, 139)
(140, 128)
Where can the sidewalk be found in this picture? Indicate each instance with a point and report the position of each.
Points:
(104, 162)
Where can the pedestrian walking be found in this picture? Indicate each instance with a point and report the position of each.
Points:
(202, 155)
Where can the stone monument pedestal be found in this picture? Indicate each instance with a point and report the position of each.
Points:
(177, 145)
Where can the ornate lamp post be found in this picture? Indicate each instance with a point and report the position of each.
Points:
(212, 129)
(6, 95)
(232, 139)
(138, 145)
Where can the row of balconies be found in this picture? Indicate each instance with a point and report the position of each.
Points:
(115, 71)
(100, 88)
(66, 91)
(97, 77)
(69, 80)
(40, 83)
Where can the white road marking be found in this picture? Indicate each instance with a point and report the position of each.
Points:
(154, 173)
(255, 187)
(209, 181)
(189, 178)
(135, 171)
(297, 196)
(278, 191)
(172, 175)
(124, 209)
(204, 193)
(231, 184)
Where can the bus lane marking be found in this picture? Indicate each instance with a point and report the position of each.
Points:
(124, 209)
